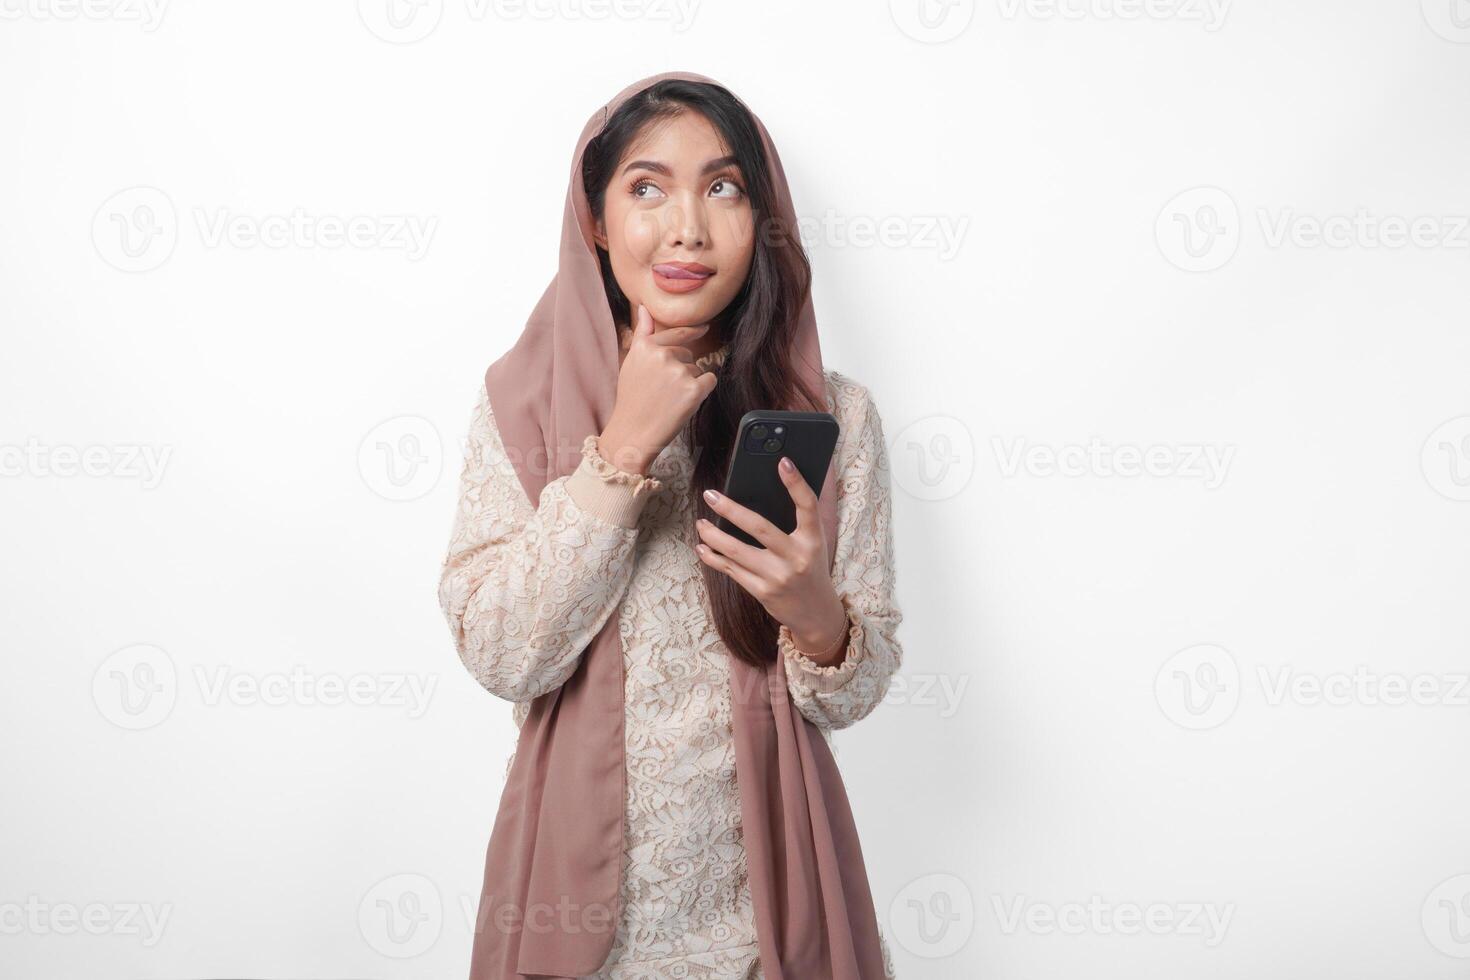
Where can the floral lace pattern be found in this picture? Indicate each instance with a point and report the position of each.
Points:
(526, 588)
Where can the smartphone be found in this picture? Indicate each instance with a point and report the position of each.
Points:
(753, 480)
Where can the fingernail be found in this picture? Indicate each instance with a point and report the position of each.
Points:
(786, 464)
(711, 496)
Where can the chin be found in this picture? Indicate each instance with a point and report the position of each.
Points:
(672, 312)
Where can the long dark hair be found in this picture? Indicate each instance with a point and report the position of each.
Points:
(759, 324)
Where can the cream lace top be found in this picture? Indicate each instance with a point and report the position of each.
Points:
(525, 589)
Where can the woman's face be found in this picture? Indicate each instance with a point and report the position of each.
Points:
(677, 223)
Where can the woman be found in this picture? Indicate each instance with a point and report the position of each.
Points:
(652, 658)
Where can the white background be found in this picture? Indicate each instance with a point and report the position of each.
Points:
(1111, 710)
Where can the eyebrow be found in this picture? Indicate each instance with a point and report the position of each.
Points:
(718, 163)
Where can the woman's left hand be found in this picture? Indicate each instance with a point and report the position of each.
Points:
(789, 576)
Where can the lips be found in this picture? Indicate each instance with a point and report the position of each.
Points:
(683, 270)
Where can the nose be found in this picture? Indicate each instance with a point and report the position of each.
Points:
(686, 223)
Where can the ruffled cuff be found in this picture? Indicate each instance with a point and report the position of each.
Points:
(805, 671)
(603, 490)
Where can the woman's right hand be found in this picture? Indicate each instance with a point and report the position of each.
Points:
(659, 390)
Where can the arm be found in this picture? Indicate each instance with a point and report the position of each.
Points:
(525, 589)
(837, 696)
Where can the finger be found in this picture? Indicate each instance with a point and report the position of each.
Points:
(677, 336)
(801, 494)
(643, 323)
(747, 556)
(748, 521)
(721, 563)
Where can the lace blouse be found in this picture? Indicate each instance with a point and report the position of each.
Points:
(525, 589)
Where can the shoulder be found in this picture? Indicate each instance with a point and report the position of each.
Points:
(849, 399)
(860, 438)
(483, 438)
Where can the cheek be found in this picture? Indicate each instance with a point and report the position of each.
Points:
(737, 242)
(633, 234)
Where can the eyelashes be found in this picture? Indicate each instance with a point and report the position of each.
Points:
(720, 179)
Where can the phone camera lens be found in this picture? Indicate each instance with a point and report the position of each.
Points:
(758, 432)
(772, 445)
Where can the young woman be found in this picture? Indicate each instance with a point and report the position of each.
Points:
(673, 807)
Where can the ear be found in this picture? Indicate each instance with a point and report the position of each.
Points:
(599, 235)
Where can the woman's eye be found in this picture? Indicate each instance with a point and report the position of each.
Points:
(641, 185)
(730, 185)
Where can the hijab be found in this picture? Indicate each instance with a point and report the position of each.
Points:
(550, 902)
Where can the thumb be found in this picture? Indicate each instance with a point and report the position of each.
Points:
(643, 323)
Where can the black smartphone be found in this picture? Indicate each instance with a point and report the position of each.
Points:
(753, 480)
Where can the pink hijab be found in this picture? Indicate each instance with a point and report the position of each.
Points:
(550, 903)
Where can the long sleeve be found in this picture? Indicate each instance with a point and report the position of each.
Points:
(863, 573)
(525, 589)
